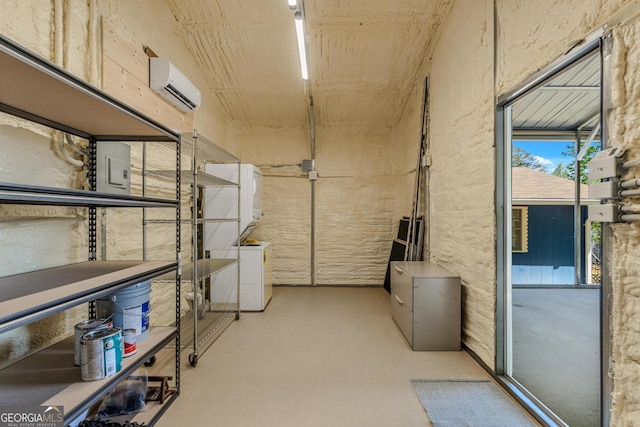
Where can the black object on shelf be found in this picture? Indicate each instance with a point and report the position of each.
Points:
(399, 246)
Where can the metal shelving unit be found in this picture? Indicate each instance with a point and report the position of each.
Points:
(205, 325)
(41, 92)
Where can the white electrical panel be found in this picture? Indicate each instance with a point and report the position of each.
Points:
(113, 167)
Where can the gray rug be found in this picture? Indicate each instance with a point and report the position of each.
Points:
(468, 403)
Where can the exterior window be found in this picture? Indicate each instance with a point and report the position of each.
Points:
(519, 228)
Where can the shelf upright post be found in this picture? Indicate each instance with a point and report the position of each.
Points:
(238, 241)
(179, 260)
(194, 228)
(93, 214)
(144, 193)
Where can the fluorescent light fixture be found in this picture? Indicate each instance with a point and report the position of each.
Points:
(293, 4)
(301, 45)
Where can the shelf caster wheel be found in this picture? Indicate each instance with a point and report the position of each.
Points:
(150, 362)
(237, 315)
(193, 359)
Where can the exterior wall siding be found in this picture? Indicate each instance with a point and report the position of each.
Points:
(549, 259)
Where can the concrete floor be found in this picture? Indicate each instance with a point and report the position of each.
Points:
(556, 350)
(315, 357)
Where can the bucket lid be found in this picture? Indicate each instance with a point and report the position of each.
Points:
(100, 333)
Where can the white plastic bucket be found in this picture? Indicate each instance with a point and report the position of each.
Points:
(128, 308)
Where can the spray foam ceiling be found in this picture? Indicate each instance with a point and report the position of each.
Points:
(365, 57)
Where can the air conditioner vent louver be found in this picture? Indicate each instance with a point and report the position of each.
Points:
(180, 97)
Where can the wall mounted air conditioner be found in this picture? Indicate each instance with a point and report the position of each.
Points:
(166, 80)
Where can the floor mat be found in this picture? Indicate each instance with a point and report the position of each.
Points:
(468, 403)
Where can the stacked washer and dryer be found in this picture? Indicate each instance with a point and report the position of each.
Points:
(221, 239)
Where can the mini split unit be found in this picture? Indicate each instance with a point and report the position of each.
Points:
(166, 80)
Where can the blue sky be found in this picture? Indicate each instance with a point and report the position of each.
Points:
(548, 153)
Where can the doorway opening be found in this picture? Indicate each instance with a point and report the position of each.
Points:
(550, 310)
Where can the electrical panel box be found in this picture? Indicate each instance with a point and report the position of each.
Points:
(604, 190)
(605, 164)
(603, 213)
(113, 167)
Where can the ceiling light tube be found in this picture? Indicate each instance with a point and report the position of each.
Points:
(293, 4)
(301, 45)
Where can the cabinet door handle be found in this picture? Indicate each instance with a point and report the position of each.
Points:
(398, 299)
(398, 269)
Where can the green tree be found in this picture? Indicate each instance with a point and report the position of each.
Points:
(522, 158)
(568, 170)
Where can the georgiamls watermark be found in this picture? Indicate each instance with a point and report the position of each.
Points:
(32, 416)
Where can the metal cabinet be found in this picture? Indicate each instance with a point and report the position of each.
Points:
(425, 304)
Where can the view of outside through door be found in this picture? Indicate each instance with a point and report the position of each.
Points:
(555, 251)
(555, 321)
